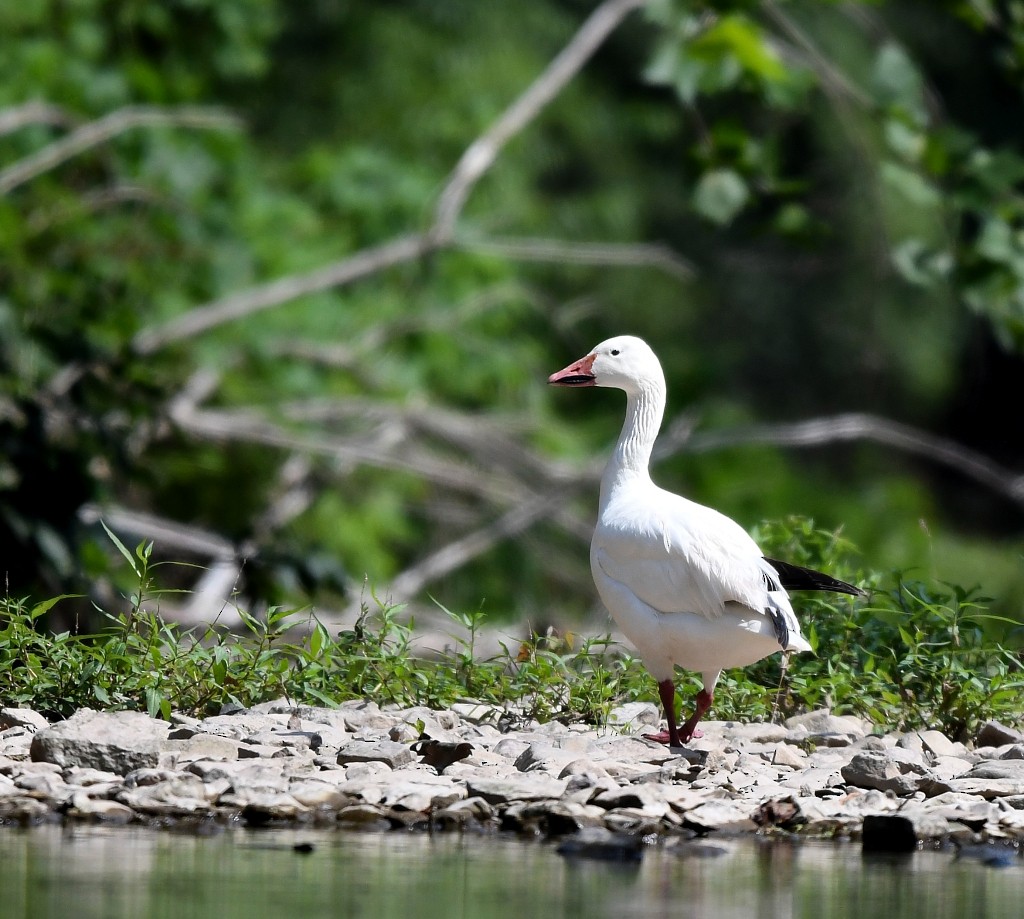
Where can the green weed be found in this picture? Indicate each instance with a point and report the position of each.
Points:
(911, 656)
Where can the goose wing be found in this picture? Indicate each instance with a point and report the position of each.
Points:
(679, 556)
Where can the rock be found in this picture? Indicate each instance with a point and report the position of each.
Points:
(814, 780)
(1009, 751)
(24, 811)
(755, 732)
(822, 724)
(46, 785)
(116, 742)
(888, 833)
(87, 778)
(22, 718)
(267, 807)
(634, 716)
(523, 787)
(950, 767)
(384, 751)
(182, 795)
(787, 755)
(1008, 770)
(938, 744)
(911, 740)
(586, 768)
(641, 798)
(818, 775)
(478, 713)
(175, 753)
(994, 734)
(635, 750)
(363, 817)
(603, 845)
(544, 757)
(720, 815)
(312, 793)
(16, 742)
(878, 770)
(465, 813)
(101, 809)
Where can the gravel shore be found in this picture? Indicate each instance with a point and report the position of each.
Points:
(480, 769)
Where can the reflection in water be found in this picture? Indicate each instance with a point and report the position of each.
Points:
(110, 873)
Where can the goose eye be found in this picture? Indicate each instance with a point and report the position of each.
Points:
(615, 352)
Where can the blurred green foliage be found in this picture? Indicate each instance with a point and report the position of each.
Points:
(844, 179)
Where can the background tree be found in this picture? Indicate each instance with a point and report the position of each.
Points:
(281, 284)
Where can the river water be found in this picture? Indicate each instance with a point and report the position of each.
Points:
(114, 872)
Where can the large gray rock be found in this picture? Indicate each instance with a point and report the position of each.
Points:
(822, 727)
(872, 769)
(22, 718)
(634, 716)
(368, 751)
(118, 742)
(526, 786)
(995, 734)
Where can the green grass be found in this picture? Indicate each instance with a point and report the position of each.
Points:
(913, 655)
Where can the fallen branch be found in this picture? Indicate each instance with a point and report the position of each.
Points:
(21, 116)
(249, 302)
(856, 426)
(643, 255)
(463, 550)
(478, 157)
(105, 129)
(481, 154)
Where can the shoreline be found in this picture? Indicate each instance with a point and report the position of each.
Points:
(473, 768)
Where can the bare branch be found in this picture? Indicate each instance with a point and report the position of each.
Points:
(584, 253)
(21, 116)
(481, 154)
(376, 336)
(680, 436)
(250, 427)
(167, 533)
(835, 82)
(526, 504)
(256, 299)
(856, 426)
(453, 556)
(475, 161)
(106, 128)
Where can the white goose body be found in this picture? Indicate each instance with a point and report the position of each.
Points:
(686, 584)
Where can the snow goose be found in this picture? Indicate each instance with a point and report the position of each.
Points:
(687, 585)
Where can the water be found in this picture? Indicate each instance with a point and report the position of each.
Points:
(109, 873)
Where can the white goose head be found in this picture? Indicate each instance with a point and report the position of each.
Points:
(624, 362)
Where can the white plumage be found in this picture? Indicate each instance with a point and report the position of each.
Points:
(686, 584)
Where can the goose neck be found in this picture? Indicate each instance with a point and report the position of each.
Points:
(644, 409)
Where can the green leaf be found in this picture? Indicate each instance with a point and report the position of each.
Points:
(40, 609)
(898, 81)
(154, 701)
(720, 195)
(910, 184)
(121, 548)
(736, 35)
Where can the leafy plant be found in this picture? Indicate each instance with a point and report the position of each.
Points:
(913, 656)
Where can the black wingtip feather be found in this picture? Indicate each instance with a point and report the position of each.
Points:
(796, 577)
(778, 621)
